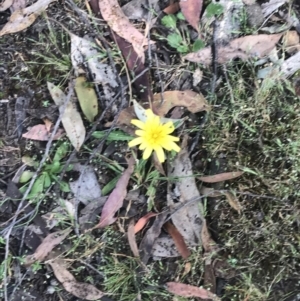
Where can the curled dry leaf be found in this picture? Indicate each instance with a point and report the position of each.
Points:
(119, 23)
(116, 198)
(209, 245)
(194, 102)
(291, 41)
(178, 240)
(143, 221)
(186, 290)
(233, 201)
(47, 245)
(41, 133)
(81, 290)
(71, 118)
(221, 177)
(131, 238)
(191, 9)
(253, 46)
(23, 18)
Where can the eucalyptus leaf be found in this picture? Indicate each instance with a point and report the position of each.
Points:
(113, 136)
(87, 98)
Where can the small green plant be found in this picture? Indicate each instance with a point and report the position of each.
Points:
(46, 103)
(49, 173)
(214, 9)
(180, 40)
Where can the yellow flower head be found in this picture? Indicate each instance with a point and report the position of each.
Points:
(153, 135)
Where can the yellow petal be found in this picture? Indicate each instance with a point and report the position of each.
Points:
(140, 132)
(147, 153)
(167, 131)
(135, 142)
(138, 123)
(160, 154)
(143, 145)
(175, 147)
(172, 138)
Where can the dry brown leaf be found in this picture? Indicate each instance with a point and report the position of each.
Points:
(194, 102)
(253, 46)
(233, 201)
(81, 290)
(40, 132)
(116, 198)
(131, 239)
(209, 245)
(178, 240)
(23, 18)
(291, 41)
(191, 9)
(6, 4)
(172, 8)
(221, 177)
(187, 269)
(47, 245)
(186, 290)
(143, 221)
(119, 23)
(48, 124)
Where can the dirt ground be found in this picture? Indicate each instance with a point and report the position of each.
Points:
(253, 126)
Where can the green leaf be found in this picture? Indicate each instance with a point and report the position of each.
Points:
(87, 98)
(26, 176)
(180, 16)
(183, 48)
(47, 181)
(214, 9)
(61, 152)
(169, 21)
(55, 167)
(174, 40)
(113, 136)
(64, 186)
(198, 44)
(38, 186)
(109, 186)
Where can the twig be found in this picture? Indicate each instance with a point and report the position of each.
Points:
(214, 51)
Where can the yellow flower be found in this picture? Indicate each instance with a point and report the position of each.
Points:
(153, 135)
